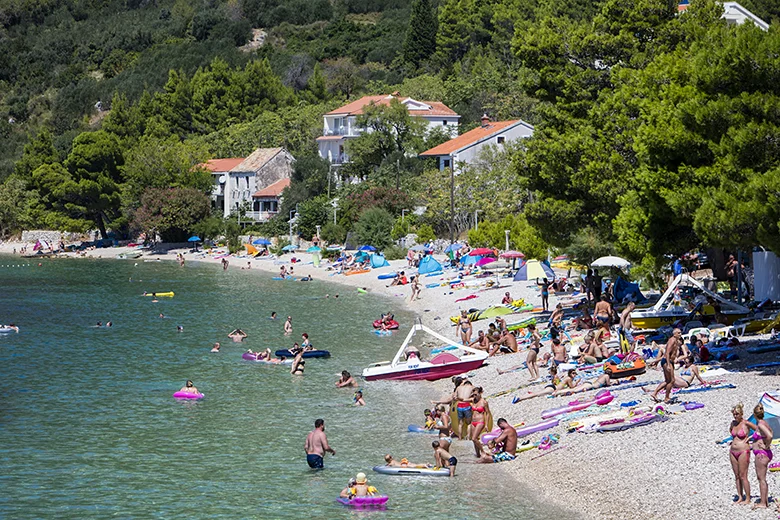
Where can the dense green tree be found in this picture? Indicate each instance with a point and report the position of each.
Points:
(522, 236)
(172, 213)
(420, 42)
(373, 228)
(15, 200)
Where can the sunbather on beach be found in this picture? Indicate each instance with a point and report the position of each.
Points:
(482, 342)
(508, 438)
(583, 386)
(554, 384)
(465, 328)
(585, 321)
(684, 380)
(506, 345)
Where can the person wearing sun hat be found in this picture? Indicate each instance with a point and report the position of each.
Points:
(360, 488)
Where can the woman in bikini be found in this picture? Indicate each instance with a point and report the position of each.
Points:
(600, 382)
(479, 412)
(762, 454)
(442, 422)
(533, 353)
(465, 328)
(739, 453)
(545, 287)
(554, 384)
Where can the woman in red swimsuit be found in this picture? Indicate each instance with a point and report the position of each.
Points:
(762, 454)
(739, 453)
(479, 412)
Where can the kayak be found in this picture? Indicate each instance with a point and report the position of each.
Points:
(160, 294)
(412, 470)
(308, 354)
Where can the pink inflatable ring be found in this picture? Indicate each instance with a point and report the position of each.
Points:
(187, 395)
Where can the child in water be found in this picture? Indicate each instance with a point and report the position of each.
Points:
(359, 399)
(443, 458)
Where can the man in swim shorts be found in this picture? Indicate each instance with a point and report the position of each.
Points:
(316, 445)
(508, 438)
(626, 324)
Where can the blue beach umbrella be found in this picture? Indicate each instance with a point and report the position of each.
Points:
(367, 248)
(533, 269)
(261, 242)
(289, 247)
(313, 249)
(195, 239)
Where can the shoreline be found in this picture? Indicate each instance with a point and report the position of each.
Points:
(630, 474)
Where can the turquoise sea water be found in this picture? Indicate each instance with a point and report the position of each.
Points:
(89, 428)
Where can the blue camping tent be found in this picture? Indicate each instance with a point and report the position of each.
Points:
(378, 260)
(428, 265)
(469, 260)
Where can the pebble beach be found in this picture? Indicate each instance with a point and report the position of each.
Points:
(671, 469)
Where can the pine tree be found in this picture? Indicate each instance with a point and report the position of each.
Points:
(420, 42)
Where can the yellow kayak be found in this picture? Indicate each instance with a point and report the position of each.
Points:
(160, 294)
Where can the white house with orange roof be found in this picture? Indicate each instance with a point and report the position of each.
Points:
(466, 147)
(734, 13)
(254, 183)
(341, 124)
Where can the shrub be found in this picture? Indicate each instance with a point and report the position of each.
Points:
(425, 234)
(395, 252)
(333, 233)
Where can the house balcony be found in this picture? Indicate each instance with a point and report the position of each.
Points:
(258, 216)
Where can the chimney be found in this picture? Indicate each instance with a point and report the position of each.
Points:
(485, 120)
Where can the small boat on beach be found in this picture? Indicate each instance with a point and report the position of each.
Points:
(443, 364)
(670, 309)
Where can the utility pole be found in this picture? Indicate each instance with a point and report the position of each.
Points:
(452, 205)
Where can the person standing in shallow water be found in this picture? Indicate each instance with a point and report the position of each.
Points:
(316, 445)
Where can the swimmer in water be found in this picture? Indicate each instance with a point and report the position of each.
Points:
(108, 324)
(346, 380)
(189, 388)
(298, 365)
(162, 315)
(288, 326)
(99, 324)
(216, 347)
(359, 399)
(179, 328)
(237, 336)
(273, 315)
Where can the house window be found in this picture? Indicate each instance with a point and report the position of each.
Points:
(256, 206)
(445, 163)
(444, 123)
(500, 139)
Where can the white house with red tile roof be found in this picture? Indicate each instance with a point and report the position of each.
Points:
(733, 13)
(466, 147)
(341, 124)
(255, 182)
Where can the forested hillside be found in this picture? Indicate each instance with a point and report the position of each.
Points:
(655, 132)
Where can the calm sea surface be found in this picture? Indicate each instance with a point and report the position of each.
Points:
(89, 428)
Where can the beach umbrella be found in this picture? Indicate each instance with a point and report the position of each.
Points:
(512, 254)
(313, 249)
(420, 247)
(485, 261)
(452, 248)
(367, 248)
(261, 242)
(481, 251)
(470, 260)
(611, 261)
(196, 239)
(533, 269)
(289, 247)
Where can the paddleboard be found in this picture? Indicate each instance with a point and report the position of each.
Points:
(412, 470)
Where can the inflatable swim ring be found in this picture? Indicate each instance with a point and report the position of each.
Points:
(414, 428)
(391, 324)
(375, 501)
(187, 395)
(412, 470)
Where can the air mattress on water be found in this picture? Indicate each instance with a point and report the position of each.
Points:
(308, 354)
(411, 470)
